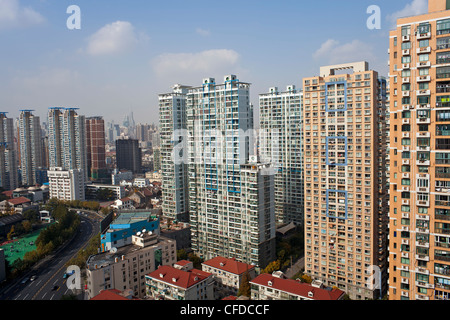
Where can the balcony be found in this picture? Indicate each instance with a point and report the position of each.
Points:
(406, 121)
(422, 297)
(423, 244)
(424, 50)
(422, 203)
(423, 106)
(405, 52)
(406, 80)
(422, 257)
(406, 162)
(423, 120)
(423, 79)
(424, 284)
(405, 94)
(423, 92)
(424, 64)
(423, 135)
(422, 36)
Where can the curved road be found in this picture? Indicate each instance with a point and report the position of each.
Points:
(49, 283)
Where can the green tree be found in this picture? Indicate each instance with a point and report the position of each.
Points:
(244, 288)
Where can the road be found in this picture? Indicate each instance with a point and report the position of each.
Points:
(49, 283)
(296, 267)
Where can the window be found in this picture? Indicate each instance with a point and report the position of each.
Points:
(443, 72)
(424, 43)
(443, 57)
(443, 27)
(424, 28)
(443, 43)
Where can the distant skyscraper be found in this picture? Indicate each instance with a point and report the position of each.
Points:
(67, 139)
(281, 145)
(9, 178)
(30, 146)
(128, 155)
(345, 179)
(95, 143)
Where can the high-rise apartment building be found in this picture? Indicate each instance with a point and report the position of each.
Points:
(30, 144)
(96, 144)
(230, 202)
(9, 176)
(128, 155)
(419, 238)
(67, 139)
(172, 108)
(281, 144)
(345, 200)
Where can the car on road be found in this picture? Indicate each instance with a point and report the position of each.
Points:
(25, 280)
(68, 274)
(33, 277)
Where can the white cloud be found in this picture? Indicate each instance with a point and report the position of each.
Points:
(206, 62)
(116, 37)
(332, 52)
(203, 32)
(14, 15)
(416, 7)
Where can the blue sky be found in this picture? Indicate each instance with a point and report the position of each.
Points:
(127, 52)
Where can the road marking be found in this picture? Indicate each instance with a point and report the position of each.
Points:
(25, 297)
(44, 295)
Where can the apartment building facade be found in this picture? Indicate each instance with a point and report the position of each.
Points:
(172, 108)
(419, 53)
(280, 143)
(9, 175)
(125, 268)
(345, 199)
(225, 217)
(30, 146)
(66, 185)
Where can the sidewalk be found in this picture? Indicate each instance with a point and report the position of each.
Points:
(296, 267)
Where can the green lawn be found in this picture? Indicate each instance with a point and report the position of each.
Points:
(20, 246)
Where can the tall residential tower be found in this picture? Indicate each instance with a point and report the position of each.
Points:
(419, 260)
(345, 196)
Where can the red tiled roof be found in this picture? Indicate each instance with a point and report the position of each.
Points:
(112, 294)
(183, 262)
(229, 265)
(17, 201)
(297, 288)
(230, 298)
(8, 193)
(183, 279)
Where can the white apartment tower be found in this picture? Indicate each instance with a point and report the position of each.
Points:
(230, 206)
(67, 139)
(172, 108)
(9, 178)
(281, 139)
(30, 146)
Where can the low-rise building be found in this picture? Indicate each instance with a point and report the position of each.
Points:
(180, 282)
(67, 184)
(276, 287)
(124, 268)
(126, 224)
(228, 275)
(118, 192)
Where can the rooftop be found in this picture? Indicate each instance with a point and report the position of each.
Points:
(229, 265)
(297, 288)
(179, 278)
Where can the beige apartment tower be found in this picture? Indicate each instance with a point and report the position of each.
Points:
(345, 179)
(419, 236)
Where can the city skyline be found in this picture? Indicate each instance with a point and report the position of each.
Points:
(125, 54)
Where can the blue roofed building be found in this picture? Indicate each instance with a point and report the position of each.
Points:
(125, 225)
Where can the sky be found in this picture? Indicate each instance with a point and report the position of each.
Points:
(125, 53)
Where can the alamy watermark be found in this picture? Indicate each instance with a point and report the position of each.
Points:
(74, 21)
(374, 21)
